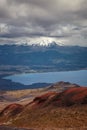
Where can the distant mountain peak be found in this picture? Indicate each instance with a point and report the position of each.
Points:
(40, 42)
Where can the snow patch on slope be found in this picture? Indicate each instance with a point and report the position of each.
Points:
(40, 42)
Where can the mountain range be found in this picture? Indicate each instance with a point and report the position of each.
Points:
(33, 58)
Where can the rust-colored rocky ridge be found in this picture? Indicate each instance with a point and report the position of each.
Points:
(69, 97)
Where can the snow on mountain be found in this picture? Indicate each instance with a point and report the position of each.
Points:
(43, 42)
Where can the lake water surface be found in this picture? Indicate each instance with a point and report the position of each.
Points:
(78, 77)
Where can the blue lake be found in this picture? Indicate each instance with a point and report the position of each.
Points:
(78, 77)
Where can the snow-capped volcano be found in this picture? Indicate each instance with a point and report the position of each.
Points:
(40, 42)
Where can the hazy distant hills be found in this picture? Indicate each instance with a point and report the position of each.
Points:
(44, 58)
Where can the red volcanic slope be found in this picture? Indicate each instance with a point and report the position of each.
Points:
(69, 97)
(12, 110)
(66, 98)
(43, 98)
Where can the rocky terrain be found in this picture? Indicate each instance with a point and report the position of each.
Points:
(11, 128)
(27, 95)
(60, 106)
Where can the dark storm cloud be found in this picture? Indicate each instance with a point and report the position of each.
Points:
(82, 11)
(3, 13)
(16, 35)
(59, 19)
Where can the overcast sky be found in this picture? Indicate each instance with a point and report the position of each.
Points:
(63, 21)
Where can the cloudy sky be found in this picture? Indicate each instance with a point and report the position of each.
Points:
(63, 21)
